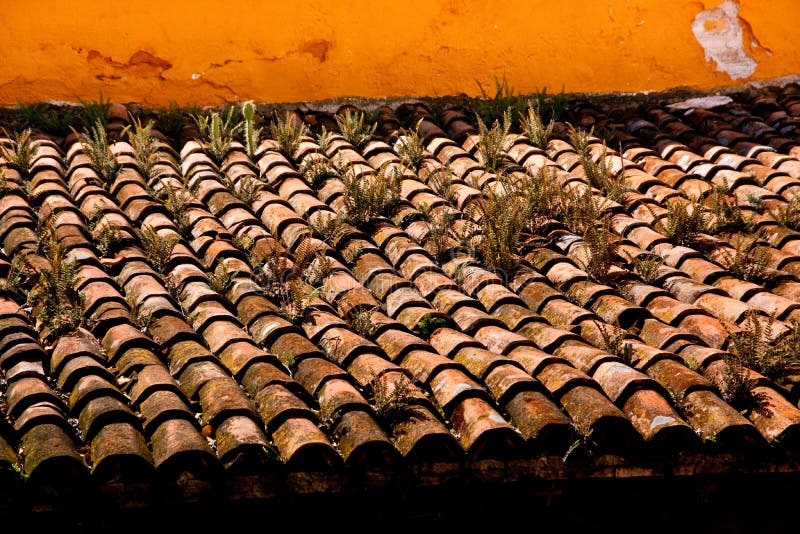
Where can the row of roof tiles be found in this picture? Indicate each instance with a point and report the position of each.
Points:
(223, 381)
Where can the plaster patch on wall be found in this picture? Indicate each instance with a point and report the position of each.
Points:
(719, 32)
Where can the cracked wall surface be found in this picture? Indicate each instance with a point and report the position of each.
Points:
(208, 52)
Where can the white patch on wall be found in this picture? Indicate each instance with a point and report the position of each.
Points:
(720, 34)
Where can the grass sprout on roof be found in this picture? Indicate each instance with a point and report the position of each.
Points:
(729, 216)
(597, 171)
(361, 321)
(48, 118)
(748, 261)
(684, 223)
(95, 145)
(218, 132)
(222, 279)
(493, 143)
(354, 127)
(288, 131)
(410, 149)
(534, 128)
(394, 401)
(542, 197)
(22, 152)
(145, 146)
(171, 120)
(245, 189)
(441, 181)
(107, 239)
(755, 348)
(157, 248)
(579, 208)
(788, 214)
(367, 197)
(646, 266)
(15, 282)
(503, 217)
(317, 170)
(602, 244)
(55, 301)
(504, 100)
(96, 111)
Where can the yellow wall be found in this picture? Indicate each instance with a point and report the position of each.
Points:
(209, 51)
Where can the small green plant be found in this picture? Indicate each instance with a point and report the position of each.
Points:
(493, 143)
(503, 217)
(354, 128)
(533, 126)
(729, 216)
(108, 239)
(295, 301)
(287, 358)
(4, 184)
(140, 319)
(324, 139)
(288, 131)
(748, 261)
(614, 340)
(368, 197)
(178, 202)
(96, 111)
(95, 217)
(493, 108)
(158, 249)
(317, 171)
(684, 224)
(361, 321)
(222, 279)
(14, 284)
(754, 348)
(428, 324)
(48, 118)
(598, 174)
(46, 233)
(394, 401)
(602, 245)
(282, 278)
(95, 146)
(243, 242)
(246, 190)
(756, 202)
(172, 119)
(54, 299)
(438, 236)
(330, 229)
(410, 149)
(788, 215)
(583, 447)
(22, 153)
(441, 181)
(551, 107)
(218, 132)
(646, 266)
(737, 388)
(145, 148)
(542, 197)
(252, 134)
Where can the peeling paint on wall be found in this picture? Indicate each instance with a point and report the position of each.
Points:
(719, 32)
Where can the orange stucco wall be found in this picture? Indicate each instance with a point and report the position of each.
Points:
(208, 51)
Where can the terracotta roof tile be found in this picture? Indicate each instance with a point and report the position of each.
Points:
(489, 365)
